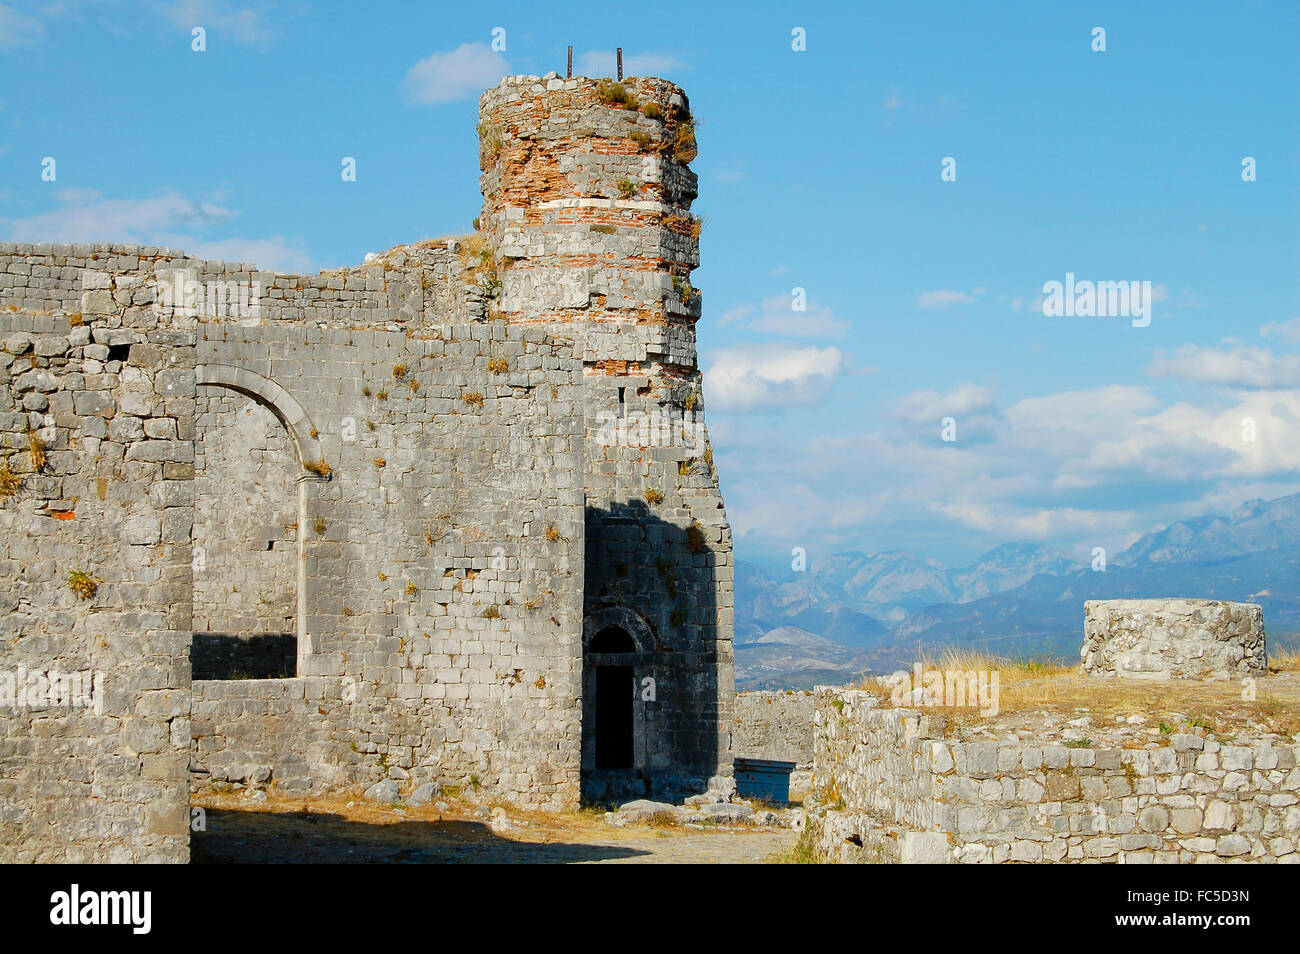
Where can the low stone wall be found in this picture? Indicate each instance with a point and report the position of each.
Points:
(1173, 639)
(898, 790)
(258, 732)
(774, 725)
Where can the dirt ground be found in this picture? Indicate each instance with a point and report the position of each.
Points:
(347, 830)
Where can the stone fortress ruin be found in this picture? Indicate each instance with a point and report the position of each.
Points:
(1081, 784)
(447, 516)
(451, 516)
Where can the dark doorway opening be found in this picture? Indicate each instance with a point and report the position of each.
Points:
(614, 717)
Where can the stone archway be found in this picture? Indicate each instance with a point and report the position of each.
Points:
(276, 400)
(618, 650)
(309, 466)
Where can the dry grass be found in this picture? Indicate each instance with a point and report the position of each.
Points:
(1284, 659)
(36, 447)
(682, 145)
(684, 224)
(489, 144)
(477, 263)
(10, 483)
(1031, 688)
(615, 94)
(644, 141)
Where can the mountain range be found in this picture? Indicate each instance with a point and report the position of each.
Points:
(855, 612)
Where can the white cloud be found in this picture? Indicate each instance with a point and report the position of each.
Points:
(1075, 469)
(1239, 367)
(733, 315)
(1288, 331)
(926, 408)
(605, 63)
(892, 102)
(244, 23)
(942, 298)
(465, 71)
(18, 29)
(776, 316)
(758, 377)
(86, 216)
(276, 253)
(1012, 522)
(170, 220)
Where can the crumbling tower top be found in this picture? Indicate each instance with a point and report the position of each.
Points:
(586, 208)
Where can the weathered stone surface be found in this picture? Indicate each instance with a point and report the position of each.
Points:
(640, 810)
(424, 794)
(774, 725)
(1124, 804)
(925, 848)
(1173, 639)
(385, 791)
(726, 811)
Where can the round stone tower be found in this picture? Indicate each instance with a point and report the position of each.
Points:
(587, 230)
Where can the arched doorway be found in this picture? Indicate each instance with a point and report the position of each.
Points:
(256, 455)
(613, 658)
(617, 684)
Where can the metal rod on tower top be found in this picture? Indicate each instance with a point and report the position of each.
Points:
(620, 64)
(570, 72)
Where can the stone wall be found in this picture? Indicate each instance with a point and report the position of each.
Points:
(1173, 639)
(443, 513)
(901, 790)
(94, 461)
(412, 287)
(441, 559)
(775, 725)
(286, 732)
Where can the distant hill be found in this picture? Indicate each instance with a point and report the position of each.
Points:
(792, 658)
(1019, 600)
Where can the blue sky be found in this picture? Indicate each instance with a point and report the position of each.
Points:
(820, 170)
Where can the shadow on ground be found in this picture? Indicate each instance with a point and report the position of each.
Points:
(235, 837)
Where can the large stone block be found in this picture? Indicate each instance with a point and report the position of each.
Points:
(1173, 639)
